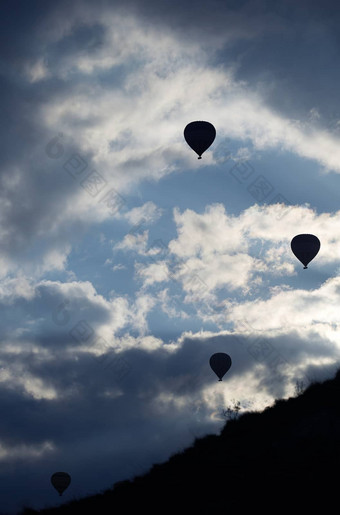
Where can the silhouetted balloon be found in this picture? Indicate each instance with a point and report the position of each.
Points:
(305, 247)
(199, 136)
(220, 363)
(60, 481)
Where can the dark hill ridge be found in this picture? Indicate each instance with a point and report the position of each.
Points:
(285, 458)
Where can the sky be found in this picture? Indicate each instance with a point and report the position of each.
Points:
(126, 262)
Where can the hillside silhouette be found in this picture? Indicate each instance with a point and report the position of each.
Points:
(284, 458)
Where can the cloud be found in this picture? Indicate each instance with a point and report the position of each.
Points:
(118, 267)
(37, 71)
(214, 250)
(147, 213)
(135, 242)
(24, 452)
(153, 273)
(305, 311)
(68, 316)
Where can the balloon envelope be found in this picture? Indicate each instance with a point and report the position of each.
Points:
(305, 247)
(60, 481)
(220, 363)
(199, 136)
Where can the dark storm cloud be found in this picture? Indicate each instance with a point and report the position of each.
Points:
(35, 190)
(49, 315)
(287, 51)
(113, 417)
(295, 69)
(100, 407)
(278, 47)
(104, 386)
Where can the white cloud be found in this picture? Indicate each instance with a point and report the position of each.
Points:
(23, 451)
(147, 213)
(19, 287)
(151, 274)
(303, 311)
(171, 305)
(120, 266)
(223, 249)
(37, 71)
(143, 305)
(134, 242)
(206, 234)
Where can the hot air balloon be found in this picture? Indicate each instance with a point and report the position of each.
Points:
(220, 363)
(60, 481)
(305, 247)
(199, 136)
